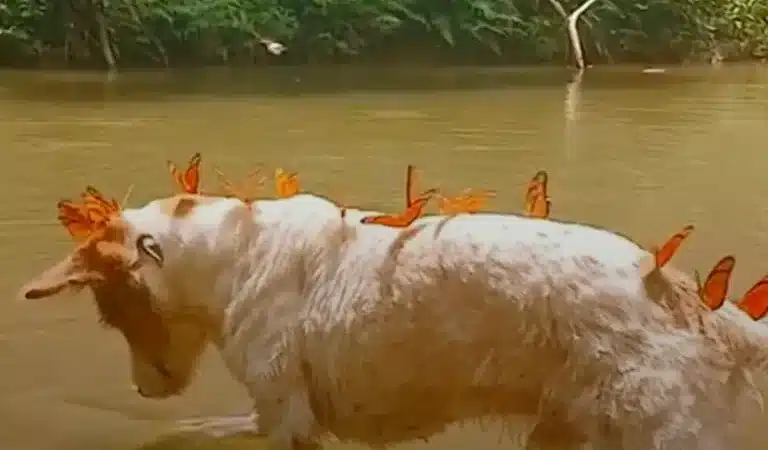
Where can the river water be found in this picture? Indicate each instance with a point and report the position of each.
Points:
(642, 153)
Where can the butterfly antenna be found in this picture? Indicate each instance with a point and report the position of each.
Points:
(127, 196)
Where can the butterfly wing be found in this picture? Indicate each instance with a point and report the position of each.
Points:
(536, 196)
(668, 250)
(537, 182)
(386, 220)
(469, 202)
(75, 219)
(286, 184)
(279, 180)
(98, 207)
(95, 197)
(715, 287)
(448, 206)
(226, 183)
(175, 174)
(417, 208)
(253, 181)
(401, 220)
(191, 180)
(755, 301)
(539, 206)
(476, 201)
(410, 185)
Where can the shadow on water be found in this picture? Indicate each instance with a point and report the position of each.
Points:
(284, 81)
(298, 81)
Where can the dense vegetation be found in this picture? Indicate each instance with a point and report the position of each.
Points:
(177, 32)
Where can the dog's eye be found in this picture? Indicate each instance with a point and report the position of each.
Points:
(149, 246)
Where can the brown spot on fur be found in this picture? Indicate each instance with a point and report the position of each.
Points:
(184, 207)
(181, 205)
(402, 238)
(677, 294)
(387, 269)
(728, 342)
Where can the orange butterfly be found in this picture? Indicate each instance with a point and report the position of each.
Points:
(98, 207)
(286, 184)
(74, 217)
(537, 202)
(755, 301)
(712, 292)
(402, 220)
(410, 187)
(189, 180)
(468, 202)
(127, 196)
(414, 206)
(82, 219)
(668, 250)
(242, 191)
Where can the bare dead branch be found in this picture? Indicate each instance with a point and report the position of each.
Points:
(559, 8)
(573, 32)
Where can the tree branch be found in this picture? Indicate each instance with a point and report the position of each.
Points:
(573, 32)
(105, 42)
(559, 8)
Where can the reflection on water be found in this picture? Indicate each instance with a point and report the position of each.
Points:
(643, 153)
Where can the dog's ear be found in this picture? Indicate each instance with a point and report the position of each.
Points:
(69, 273)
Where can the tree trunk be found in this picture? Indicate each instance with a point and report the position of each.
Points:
(573, 32)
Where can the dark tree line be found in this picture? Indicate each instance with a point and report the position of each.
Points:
(180, 32)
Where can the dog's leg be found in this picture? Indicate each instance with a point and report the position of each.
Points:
(288, 422)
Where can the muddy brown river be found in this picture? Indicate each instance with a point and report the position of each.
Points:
(641, 153)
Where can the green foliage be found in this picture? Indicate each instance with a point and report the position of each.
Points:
(739, 27)
(20, 22)
(172, 32)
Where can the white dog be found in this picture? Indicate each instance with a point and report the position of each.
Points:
(382, 335)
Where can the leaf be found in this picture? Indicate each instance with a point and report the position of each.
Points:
(485, 9)
(396, 6)
(443, 25)
(387, 23)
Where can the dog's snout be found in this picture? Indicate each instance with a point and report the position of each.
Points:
(162, 370)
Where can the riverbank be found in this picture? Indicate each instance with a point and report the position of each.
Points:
(174, 33)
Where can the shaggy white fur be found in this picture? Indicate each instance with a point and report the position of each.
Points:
(382, 335)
